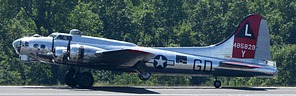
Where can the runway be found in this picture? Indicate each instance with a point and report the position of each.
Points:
(145, 90)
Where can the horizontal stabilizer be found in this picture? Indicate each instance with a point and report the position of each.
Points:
(242, 65)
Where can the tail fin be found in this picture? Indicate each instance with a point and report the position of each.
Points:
(251, 39)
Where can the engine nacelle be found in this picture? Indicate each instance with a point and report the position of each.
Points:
(79, 54)
(60, 52)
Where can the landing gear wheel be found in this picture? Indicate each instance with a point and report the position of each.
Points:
(144, 76)
(70, 79)
(85, 80)
(217, 84)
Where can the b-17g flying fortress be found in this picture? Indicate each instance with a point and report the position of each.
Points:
(245, 53)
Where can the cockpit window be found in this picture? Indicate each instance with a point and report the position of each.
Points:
(52, 35)
(63, 37)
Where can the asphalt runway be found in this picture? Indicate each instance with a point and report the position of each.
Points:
(145, 90)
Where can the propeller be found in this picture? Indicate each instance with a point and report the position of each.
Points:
(69, 42)
(67, 54)
(52, 50)
(52, 45)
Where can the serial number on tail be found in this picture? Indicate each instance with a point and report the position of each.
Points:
(244, 46)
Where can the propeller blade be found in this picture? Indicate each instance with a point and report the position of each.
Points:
(52, 45)
(67, 55)
(52, 50)
(69, 43)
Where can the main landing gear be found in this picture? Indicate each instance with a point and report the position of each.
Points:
(84, 80)
(141, 68)
(217, 83)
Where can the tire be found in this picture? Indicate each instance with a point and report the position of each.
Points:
(70, 79)
(144, 76)
(85, 80)
(217, 84)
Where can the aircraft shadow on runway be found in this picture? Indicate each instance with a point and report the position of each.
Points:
(124, 90)
(138, 90)
(249, 88)
(133, 90)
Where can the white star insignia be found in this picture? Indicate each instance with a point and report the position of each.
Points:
(160, 62)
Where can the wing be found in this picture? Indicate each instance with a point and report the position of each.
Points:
(231, 64)
(125, 57)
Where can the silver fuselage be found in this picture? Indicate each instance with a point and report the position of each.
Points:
(202, 61)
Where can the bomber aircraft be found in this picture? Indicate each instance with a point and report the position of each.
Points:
(245, 53)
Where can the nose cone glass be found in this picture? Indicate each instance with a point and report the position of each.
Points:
(17, 45)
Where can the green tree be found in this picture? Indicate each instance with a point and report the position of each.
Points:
(285, 55)
(82, 18)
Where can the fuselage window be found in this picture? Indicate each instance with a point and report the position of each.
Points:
(26, 44)
(42, 46)
(35, 45)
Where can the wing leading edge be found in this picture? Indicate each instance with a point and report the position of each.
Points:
(125, 57)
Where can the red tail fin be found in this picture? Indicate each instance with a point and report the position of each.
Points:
(245, 37)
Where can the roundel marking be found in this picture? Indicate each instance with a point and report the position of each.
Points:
(160, 62)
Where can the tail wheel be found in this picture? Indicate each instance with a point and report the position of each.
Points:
(144, 76)
(217, 84)
(70, 79)
(85, 80)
